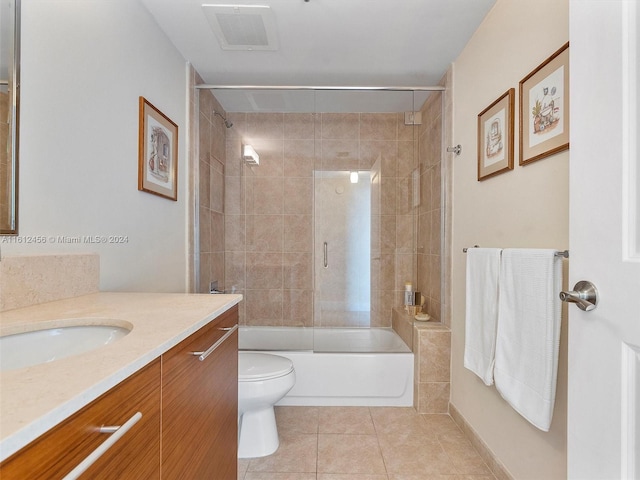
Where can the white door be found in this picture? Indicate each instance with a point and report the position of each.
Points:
(604, 344)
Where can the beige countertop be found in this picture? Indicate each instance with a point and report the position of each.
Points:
(34, 399)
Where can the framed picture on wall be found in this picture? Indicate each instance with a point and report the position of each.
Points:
(544, 108)
(495, 136)
(157, 152)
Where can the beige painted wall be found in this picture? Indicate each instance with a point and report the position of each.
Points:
(526, 207)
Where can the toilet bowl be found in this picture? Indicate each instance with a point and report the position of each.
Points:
(263, 379)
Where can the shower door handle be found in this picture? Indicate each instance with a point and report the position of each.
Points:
(326, 254)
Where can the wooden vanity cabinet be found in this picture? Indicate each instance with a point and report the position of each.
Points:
(136, 455)
(189, 424)
(200, 404)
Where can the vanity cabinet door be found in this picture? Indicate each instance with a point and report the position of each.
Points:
(200, 404)
(136, 455)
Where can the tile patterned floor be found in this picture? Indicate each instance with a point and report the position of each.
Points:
(366, 443)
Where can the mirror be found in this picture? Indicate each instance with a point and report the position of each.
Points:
(9, 114)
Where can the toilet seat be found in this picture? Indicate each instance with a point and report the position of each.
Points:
(254, 367)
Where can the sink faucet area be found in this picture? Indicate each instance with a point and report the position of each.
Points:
(48, 344)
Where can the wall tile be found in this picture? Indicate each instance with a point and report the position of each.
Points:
(378, 126)
(234, 231)
(298, 195)
(299, 158)
(217, 187)
(435, 355)
(340, 125)
(297, 307)
(297, 270)
(265, 195)
(31, 280)
(264, 270)
(264, 307)
(204, 184)
(264, 233)
(205, 229)
(234, 271)
(433, 397)
(340, 154)
(371, 150)
(298, 233)
(233, 197)
(265, 125)
(299, 126)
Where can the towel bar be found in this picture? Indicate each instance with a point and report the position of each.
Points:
(564, 253)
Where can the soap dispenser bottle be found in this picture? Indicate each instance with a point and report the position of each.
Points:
(408, 295)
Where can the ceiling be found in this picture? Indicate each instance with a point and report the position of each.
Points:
(369, 43)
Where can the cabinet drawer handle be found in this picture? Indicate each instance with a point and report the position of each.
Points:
(104, 446)
(203, 355)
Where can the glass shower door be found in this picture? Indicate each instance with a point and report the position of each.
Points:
(364, 205)
(343, 248)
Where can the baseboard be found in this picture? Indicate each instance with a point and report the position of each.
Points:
(496, 466)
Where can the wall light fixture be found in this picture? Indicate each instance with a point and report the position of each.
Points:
(250, 155)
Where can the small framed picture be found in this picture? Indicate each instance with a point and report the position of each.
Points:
(495, 136)
(157, 152)
(544, 108)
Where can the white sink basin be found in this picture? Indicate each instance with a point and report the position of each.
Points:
(25, 349)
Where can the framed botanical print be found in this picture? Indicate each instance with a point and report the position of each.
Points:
(157, 152)
(544, 108)
(495, 136)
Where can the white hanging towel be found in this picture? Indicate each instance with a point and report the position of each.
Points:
(483, 269)
(528, 335)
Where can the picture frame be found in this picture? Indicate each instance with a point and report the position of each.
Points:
(544, 108)
(496, 136)
(157, 152)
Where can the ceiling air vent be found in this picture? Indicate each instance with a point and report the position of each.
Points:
(243, 27)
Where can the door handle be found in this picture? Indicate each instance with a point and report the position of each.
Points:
(584, 295)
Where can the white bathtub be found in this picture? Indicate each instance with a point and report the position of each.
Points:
(339, 366)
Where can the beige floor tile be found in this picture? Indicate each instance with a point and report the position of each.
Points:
(476, 477)
(441, 476)
(426, 476)
(297, 453)
(366, 443)
(353, 420)
(405, 420)
(411, 454)
(440, 424)
(463, 456)
(243, 464)
(350, 476)
(279, 476)
(291, 419)
(339, 453)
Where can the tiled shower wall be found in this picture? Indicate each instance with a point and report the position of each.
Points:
(211, 171)
(429, 241)
(269, 208)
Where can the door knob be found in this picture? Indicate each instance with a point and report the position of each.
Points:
(584, 294)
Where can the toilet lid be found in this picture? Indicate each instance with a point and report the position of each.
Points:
(262, 366)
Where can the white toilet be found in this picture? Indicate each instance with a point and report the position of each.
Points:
(263, 379)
